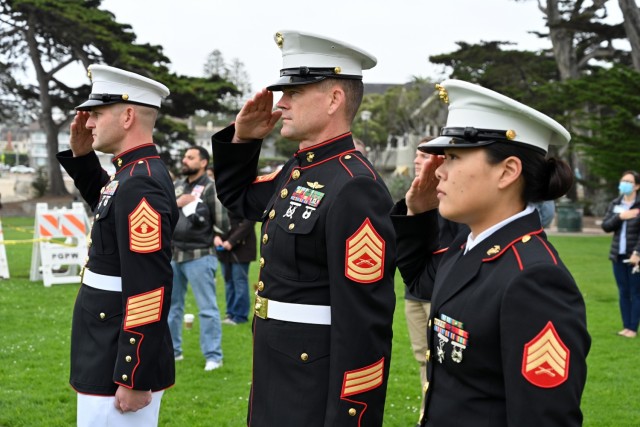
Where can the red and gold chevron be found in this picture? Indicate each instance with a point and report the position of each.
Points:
(545, 361)
(364, 379)
(364, 261)
(144, 308)
(268, 177)
(144, 229)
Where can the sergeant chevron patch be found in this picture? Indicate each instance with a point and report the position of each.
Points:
(144, 228)
(545, 361)
(364, 379)
(364, 261)
(144, 308)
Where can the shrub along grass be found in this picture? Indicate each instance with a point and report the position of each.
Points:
(34, 351)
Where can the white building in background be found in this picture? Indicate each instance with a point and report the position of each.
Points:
(37, 149)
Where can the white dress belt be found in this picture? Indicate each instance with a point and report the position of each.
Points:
(101, 281)
(288, 312)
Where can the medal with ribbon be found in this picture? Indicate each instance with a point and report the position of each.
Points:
(450, 330)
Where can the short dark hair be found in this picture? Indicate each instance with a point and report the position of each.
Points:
(203, 153)
(636, 176)
(353, 91)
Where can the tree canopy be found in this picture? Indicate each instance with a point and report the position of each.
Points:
(43, 37)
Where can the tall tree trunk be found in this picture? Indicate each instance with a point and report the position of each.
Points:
(631, 22)
(567, 62)
(50, 128)
(561, 40)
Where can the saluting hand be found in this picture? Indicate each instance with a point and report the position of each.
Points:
(257, 117)
(81, 138)
(422, 195)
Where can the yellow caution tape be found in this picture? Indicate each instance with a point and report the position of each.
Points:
(18, 242)
(24, 230)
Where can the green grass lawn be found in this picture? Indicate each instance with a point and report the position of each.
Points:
(34, 351)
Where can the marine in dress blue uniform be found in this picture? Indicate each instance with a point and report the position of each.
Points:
(325, 299)
(120, 335)
(508, 337)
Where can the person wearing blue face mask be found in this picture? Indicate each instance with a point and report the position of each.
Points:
(623, 219)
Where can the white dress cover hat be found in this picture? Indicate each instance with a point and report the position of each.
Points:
(479, 116)
(112, 85)
(309, 58)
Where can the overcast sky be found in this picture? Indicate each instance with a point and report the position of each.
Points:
(402, 34)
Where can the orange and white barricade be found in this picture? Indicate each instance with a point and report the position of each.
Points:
(60, 244)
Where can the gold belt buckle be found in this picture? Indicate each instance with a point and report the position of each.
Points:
(261, 307)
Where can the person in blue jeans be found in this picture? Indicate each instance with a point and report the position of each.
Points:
(623, 219)
(194, 259)
(236, 250)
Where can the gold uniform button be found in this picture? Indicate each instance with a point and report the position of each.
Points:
(292, 226)
(124, 378)
(284, 193)
(102, 315)
(310, 156)
(97, 216)
(526, 238)
(352, 412)
(304, 357)
(347, 157)
(427, 355)
(132, 340)
(261, 262)
(295, 174)
(429, 323)
(272, 214)
(261, 285)
(265, 239)
(128, 358)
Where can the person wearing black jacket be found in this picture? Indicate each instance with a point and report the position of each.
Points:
(236, 249)
(194, 259)
(623, 219)
(508, 336)
(322, 327)
(121, 353)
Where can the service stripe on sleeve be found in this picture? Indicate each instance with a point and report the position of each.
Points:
(364, 379)
(144, 308)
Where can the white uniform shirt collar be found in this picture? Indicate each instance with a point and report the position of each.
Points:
(471, 241)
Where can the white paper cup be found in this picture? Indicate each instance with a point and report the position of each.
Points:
(188, 320)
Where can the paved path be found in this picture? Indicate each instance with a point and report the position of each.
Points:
(15, 187)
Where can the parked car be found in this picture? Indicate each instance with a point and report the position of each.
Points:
(22, 169)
